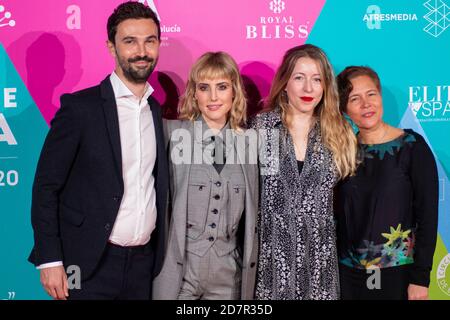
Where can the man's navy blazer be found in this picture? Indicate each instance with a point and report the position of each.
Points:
(78, 185)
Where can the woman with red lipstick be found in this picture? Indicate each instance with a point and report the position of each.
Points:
(212, 245)
(307, 146)
(387, 213)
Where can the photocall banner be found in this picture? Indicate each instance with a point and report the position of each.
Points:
(50, 47)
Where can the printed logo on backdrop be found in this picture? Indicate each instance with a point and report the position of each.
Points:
(166, 30)
(375, 19)
(9, 102)
(152, 6)
(430, 103)
(443, 275)
(438, 17)
(73, 21)
(8, 177)
(277, 6)
(5, 18)
(277, 24)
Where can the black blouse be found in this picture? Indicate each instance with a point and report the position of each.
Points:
(300, 166)
(387, 213)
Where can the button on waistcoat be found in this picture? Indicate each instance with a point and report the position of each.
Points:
(215, 206)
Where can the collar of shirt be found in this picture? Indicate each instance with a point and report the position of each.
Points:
(207, 134)
(274, 117)
(121, 90)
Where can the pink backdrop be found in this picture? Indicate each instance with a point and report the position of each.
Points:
(61, 46)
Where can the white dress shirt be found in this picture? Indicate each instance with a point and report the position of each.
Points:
(136, 218)
(137, 213)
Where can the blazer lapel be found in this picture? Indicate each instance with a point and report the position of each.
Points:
(181, 193)
(112, 123)
(242, 149)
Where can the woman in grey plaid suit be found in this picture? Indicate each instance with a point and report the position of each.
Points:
(212, 245)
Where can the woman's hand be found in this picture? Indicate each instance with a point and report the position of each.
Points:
(416, 292)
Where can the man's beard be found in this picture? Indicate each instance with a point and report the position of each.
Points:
(137, 75)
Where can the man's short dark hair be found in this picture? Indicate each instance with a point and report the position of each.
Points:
(130, 10)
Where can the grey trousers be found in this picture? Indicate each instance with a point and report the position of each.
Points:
(212, 277)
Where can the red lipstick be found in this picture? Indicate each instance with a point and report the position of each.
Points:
(307, 99)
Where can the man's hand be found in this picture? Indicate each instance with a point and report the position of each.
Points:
(54, 281)
(416, 292)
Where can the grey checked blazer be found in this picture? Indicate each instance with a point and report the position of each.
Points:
(167, 285)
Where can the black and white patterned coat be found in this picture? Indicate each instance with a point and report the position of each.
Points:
(298, 258)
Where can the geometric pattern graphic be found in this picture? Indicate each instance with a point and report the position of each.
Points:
(400, 109)
(44, 58)
(54, 48)
(19, 279)
(7, 15)
(438, 17)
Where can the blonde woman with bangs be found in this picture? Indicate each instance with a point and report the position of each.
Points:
(307, 147)
(212, 246)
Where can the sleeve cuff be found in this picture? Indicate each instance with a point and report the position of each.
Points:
(419, 276)
(49, 265)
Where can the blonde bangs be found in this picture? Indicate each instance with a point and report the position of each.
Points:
(212, 72)
(211, 66)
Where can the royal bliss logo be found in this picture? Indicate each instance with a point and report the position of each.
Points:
(277, 24)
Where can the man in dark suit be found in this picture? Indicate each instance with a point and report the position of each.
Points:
(100, 190)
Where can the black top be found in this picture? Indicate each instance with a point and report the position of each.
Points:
(300, 166)
(387, 213)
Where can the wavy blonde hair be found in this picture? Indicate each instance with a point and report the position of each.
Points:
(337, 134)
(214, 65)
